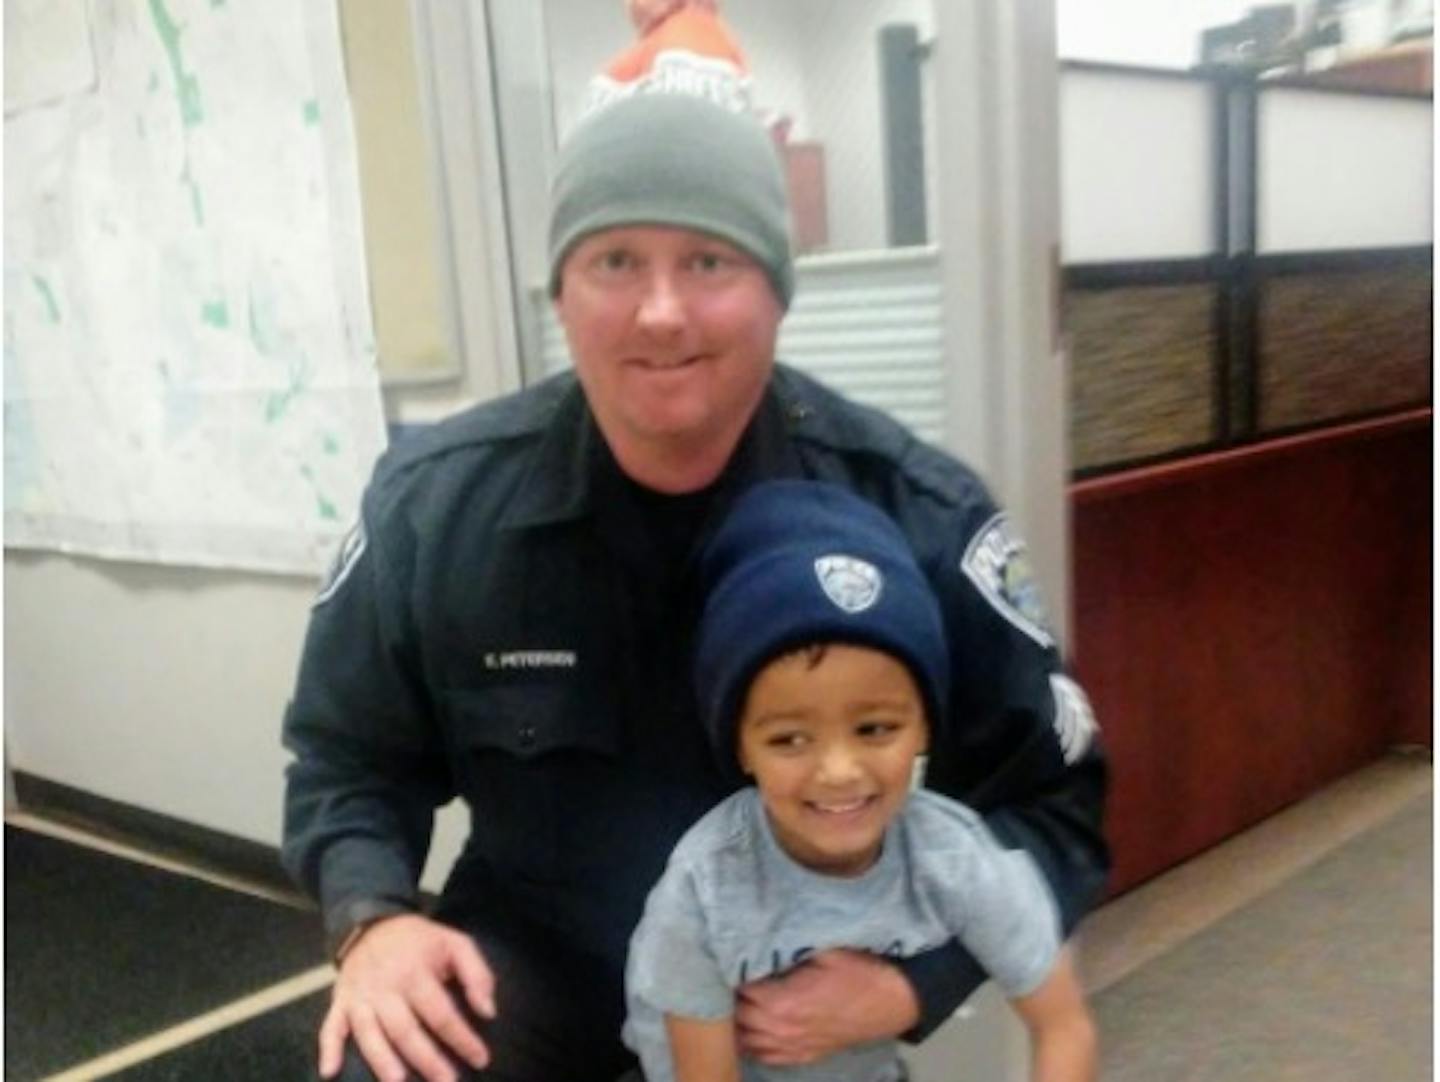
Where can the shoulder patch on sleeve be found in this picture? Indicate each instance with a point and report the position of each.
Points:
(1075, 724)
(352, 547)
(997, 562)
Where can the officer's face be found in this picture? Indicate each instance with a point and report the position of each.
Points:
(673, 336)
(831, 737)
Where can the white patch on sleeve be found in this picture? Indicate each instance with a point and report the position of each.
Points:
(1075, 724)
(352, 547)
(997, 562)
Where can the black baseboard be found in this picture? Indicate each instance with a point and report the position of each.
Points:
(208, 850)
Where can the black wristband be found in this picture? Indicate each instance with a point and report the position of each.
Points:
(343, 925)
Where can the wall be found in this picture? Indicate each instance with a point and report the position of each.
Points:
(154, 686)
(841, 65)
(161, 688)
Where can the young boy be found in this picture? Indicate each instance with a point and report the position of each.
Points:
(821, 667)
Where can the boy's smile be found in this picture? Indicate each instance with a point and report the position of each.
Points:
(830, 735)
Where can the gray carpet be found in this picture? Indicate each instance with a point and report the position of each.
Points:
(1325, 979)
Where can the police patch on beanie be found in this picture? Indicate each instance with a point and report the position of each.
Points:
(853, 584)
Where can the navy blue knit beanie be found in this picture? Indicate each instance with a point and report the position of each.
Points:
(798, 563)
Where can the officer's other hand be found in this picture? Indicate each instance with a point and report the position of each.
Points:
(391, 999)
(836, 1000)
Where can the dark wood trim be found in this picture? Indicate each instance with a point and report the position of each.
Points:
(1244, 351)
(1346, 420)
(1103, 67)
(1192, 452)
(1345, 259)
(1181, 470)
(1245, 360)
(1125, 273)
(1122, 274)
(1221, 353)
(1300, 82)
(1235, 76)
(1248, 198)
(209, 850)
(1144, 462)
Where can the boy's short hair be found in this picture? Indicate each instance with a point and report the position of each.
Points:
(799, 563)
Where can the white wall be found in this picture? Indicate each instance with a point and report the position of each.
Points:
(1123, 199)
(159, 687)
(842, 68)
(1344, 172)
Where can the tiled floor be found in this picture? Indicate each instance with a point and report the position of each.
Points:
(1300, 950)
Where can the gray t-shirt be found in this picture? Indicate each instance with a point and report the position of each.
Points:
(733, 907)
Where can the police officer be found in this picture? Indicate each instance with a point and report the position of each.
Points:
(510, 622)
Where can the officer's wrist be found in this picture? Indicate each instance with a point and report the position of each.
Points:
(355, 919)
(352, 938)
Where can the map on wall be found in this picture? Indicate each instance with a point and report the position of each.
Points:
(189, 367)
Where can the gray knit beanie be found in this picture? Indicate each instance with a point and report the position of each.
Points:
(676, 160)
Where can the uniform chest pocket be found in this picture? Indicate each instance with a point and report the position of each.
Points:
(535, 759)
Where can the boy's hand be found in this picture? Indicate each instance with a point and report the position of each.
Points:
(391, 999)
(835, 1000)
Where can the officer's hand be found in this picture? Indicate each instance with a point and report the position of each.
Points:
(835, 1000)
(391, 998)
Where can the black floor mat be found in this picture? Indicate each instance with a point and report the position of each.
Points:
(101, 951)
(278, 1046)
